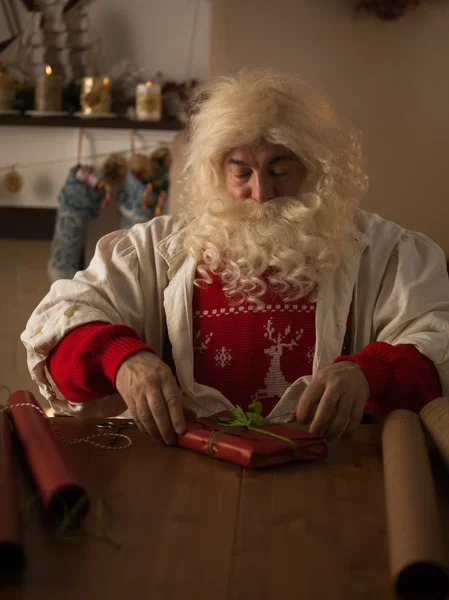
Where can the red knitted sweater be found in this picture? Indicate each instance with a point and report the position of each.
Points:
(245, 354)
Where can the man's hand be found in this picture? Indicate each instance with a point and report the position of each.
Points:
(338, 393)
(149, 389)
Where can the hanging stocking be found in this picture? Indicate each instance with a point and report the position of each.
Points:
(136, 200)
(160, 175)
(80, 201)
(134, 197)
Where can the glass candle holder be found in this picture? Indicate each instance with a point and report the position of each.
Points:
(148, 102)
(95, 95)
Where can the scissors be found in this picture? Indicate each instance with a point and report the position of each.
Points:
(115, 426)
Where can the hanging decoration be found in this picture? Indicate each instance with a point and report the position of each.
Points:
(386, 9)
(80, 201)
(144, 191)
(139, 165)
(115, 168)
(133, 195)
(160, 161)
(12, 182)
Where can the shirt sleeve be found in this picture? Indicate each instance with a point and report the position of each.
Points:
(398, 376)
(123, 285)
(84, 364)
(412, 302)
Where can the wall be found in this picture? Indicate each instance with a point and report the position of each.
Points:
(154, 34)
(390, 78)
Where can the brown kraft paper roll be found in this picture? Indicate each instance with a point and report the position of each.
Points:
(11, 548)
(417, 557)
(435, 417)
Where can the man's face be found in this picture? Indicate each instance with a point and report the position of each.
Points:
(262, 172)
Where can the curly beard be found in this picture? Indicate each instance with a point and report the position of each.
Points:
(286, 243)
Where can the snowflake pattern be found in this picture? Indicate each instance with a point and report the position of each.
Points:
(223, 357)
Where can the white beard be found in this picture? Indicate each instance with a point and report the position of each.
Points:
(292, 240)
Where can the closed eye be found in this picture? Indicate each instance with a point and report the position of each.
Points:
(282, 174)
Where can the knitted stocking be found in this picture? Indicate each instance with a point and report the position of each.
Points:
(137, 202)
(80, 201)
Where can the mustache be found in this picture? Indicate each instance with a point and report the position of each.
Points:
(231, 209)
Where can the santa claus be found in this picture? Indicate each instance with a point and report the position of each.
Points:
(271, 286)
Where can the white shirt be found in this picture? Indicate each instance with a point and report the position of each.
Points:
(143, 278)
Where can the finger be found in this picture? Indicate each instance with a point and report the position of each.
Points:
(159, 412)
(139, 425)
(325, 411)
(144, 419)
(173, 400)
(133, 410)
(354, 421)
(308, 401)
(337, 423)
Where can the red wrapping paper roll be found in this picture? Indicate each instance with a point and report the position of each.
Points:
(11, 549)
(56, 482)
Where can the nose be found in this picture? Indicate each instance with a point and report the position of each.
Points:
(262, 188)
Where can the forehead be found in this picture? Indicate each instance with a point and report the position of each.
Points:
(261, 150)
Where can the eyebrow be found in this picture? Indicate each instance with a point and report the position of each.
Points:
(273, 161)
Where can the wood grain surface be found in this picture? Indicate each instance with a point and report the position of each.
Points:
(195, 528)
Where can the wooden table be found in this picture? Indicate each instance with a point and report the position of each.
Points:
(197, 528)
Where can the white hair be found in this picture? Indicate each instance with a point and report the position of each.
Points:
(290, 240)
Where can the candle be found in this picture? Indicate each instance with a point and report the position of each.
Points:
(148, 102)
(95, 95)
(7, 91)
(48, 93)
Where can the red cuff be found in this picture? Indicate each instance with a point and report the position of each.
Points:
(399, 377)
(115, 352)
(85, 362)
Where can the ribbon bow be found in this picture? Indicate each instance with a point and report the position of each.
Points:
(251, 420)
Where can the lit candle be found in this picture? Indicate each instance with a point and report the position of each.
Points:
(95, 95)
(48, 92)
(148, 102)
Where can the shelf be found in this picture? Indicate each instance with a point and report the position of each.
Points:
(92, 122)
(26, 223)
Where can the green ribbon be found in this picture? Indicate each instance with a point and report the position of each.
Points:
(251, 420)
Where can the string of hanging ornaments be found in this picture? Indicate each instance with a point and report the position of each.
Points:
(386, 9)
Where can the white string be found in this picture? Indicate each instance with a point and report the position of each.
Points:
(88, 440)
(70, 159)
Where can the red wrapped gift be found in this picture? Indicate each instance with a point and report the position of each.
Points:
(247, 440)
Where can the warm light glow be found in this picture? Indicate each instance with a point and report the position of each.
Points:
(48, 70)
(106, 81)
(49, 412)
(148, 84)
